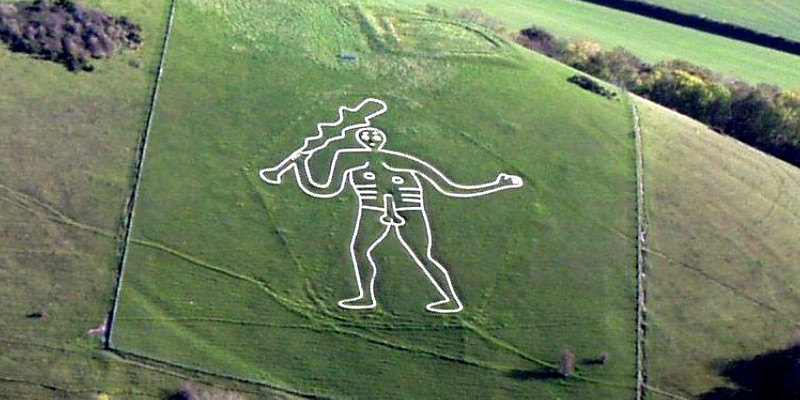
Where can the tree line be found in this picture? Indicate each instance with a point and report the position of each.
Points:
(763, 116)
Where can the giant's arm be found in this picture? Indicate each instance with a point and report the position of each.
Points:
(300, 164)
(407, 163)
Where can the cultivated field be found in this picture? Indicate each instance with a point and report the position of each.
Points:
(231, 276)
(649, 39)
(776, 17)
(723, 283)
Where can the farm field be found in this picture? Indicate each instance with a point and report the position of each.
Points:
(651, 40)
(776, 17)
(228, 275)
(723, 279)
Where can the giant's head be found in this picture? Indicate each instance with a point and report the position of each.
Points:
(371, 138)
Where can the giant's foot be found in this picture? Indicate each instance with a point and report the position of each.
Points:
(358, 303)
(446, 306)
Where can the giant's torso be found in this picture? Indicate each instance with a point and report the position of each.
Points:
(374, 182)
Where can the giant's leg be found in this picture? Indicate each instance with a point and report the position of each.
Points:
(415, 236)
(368, 233)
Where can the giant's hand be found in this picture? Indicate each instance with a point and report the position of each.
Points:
(509, 181)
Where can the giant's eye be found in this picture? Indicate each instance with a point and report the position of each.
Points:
(364, 136)
(376, 137)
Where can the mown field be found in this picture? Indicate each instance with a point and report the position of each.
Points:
(776, 17)
(228, 275)
(723, 279)
(649, 39)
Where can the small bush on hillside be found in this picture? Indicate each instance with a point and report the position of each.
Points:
(591, 85)
(566, 365)
(478, 17)
(540, 40)
(65, 32)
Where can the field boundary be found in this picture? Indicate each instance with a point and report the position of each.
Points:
(702, 24)
(137, 174)
(641, 258)
(162, 366)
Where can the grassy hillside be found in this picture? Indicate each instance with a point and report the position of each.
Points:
(67, 142)
(229, 275)
(723, 282)
(67, 145)
(777, 17)
(651, 40)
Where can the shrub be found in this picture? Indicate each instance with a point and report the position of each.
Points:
(591, 85)
(566, 364)
(478, 17)
(65, 32)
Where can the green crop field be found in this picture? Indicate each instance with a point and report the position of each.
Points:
(776, 17)
(724, 275)
(651, 40)
(228, 275)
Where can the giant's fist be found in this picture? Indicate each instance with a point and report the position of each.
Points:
(507, 180)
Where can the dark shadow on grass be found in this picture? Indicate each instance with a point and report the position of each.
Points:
(770, 376)
(542, 374)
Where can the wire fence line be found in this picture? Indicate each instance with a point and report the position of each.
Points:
(641, 259)
(137, 173)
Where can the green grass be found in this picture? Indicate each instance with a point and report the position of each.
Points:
(776, 17)
(723, 276)
(67, 145)
(229, 275)
(651, 40)
(222, 277)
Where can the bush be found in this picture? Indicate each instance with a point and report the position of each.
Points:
(566, 365)
(478, 17)
(591, 85)
(65, 32)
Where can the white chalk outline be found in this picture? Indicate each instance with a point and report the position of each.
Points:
(412, 196)
(282, 167)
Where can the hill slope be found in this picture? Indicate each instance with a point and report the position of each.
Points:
(250, 274)
(723, 280)
(542, 268)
